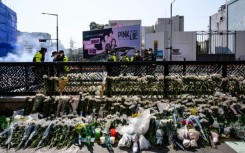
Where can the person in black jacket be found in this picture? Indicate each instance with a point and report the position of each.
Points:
(136, 57)
(55, 56)
(151, 56)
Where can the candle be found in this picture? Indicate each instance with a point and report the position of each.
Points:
(113, 132)
(97, 133)
(112, 139)
(102, 140)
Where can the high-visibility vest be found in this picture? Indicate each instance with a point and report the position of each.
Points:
(124, 59)
(38, 57)
(65, 59)
(132, 59)
(114, 58)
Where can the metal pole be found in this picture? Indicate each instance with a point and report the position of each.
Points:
(57, 29)
(57, 34)
(171, 31)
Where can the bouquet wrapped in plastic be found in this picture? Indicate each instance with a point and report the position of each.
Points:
(135, 131)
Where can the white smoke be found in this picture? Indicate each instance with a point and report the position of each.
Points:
(28, 45)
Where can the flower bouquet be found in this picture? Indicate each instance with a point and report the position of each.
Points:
(135, 131)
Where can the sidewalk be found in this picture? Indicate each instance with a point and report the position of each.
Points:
(221, 148)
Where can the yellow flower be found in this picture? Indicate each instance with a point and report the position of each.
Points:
(135, 115)
(80, 128)
(193, 111)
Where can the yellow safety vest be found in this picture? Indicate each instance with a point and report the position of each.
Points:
(37, 57)
(124, 59)
(114, 58)
(66, 60)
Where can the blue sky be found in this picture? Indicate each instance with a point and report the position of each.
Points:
(75, 15)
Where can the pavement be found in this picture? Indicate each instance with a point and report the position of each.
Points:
(221, 148)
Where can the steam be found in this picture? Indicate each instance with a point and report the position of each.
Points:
(28, 45)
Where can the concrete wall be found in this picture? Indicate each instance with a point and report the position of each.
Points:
(162, 38)
(145, 30)
(186, 43)
(219, 20)
(240, 45)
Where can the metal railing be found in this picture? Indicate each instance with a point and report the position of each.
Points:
(27, 78)
(216, 42)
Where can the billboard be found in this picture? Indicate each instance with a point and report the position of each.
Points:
(100, 41)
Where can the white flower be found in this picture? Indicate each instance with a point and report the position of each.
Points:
(201, 115)
(160, 77)
(122, 107)
(40, 95)
(97, 92)
(45, 76)
(214, 107)
(234, 99)
(132, 106)
(128, 103)
(139, 79)
(203, 78)
(153, 117)
(55, 78)
(135, 98)
(216, 76)
(203, 120)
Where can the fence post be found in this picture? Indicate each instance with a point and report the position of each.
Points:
(184, 68)
(108, 81)
(166, 73)
(224, 74)
(224, 70)
(51, 84)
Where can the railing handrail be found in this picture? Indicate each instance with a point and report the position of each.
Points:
(121, 63)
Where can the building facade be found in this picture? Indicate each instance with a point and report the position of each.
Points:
(218, 21)
(122, 23)
(236, 15)
(164, 24)
(8, 30)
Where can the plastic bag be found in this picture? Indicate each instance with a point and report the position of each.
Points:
(125, 141)
(125, 129)
(181, 133)
(215, 136)
(144, 143)
(19, 112)
(194, 143)
(159, 136)
(142, 122)
(162, 106)
(186, 143)
(193, 134)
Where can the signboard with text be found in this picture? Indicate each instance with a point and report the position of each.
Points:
(100, 41)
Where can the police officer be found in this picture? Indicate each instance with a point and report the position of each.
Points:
(39, 71)
(136, 57)
(55, 56)
(113, 57)
(62, 58)
(124, 57)
(145, 58)
(40, 55)
(151, 56)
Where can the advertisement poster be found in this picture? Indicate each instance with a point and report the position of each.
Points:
(100, 41)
